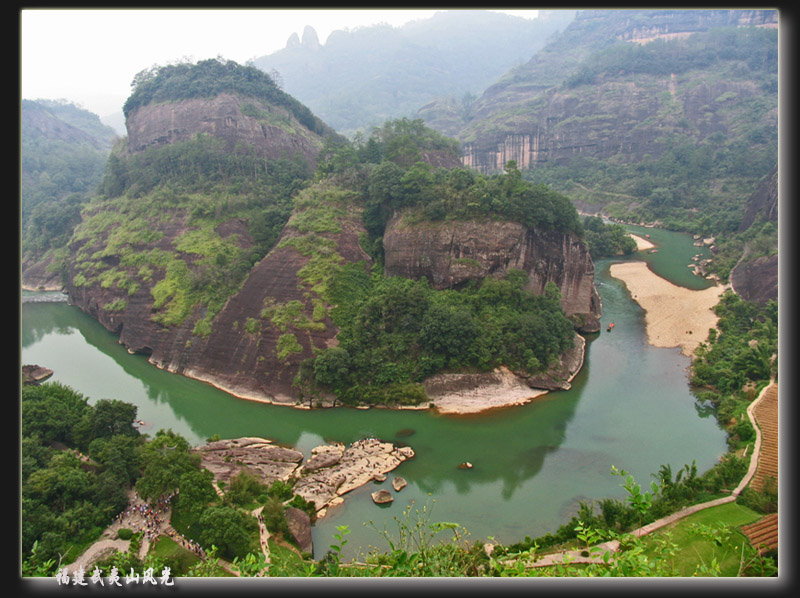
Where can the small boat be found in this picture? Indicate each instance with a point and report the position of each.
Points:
(654, 251)
(610, 326)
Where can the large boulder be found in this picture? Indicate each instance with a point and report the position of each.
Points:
(300, 527)
(382, 497)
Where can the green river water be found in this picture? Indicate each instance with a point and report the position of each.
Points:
(630, 406)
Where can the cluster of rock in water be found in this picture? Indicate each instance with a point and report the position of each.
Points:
(331, 471)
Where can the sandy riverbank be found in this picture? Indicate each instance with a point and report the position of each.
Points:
(470, 394)
(642, 244)
(675, 316)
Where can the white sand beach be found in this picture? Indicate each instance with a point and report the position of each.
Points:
(674, 316)
(642, 244)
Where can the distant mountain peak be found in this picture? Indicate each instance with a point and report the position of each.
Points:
(310, 38)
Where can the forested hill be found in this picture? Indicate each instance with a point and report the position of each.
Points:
(63, 154)
(663, 116)
(208, 79)
(227, 236)
(360, 78)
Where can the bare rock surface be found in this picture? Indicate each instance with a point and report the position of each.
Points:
(450, 253)
(331, 471)
(270, 130)
(300, 527)
(226, 458)
(474, 393)
(357, 465)
(382, 497)
(34, 374)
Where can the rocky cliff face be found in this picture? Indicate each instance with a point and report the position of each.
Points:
(246, 353)
(531, 116)
(755, 278)
(450, 253)
(269, 130)
(763, 204)
(613, 118)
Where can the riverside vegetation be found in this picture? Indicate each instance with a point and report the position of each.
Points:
(69, 496)
(120, 244)
(79, 460)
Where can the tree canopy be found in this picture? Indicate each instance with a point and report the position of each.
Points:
(209, 78)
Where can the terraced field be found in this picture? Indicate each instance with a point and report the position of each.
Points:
(766, 414)
(763, 534)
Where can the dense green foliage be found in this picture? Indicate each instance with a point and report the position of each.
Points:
(209, 78)
(395, 332)
(739, 357)
(77, 460)
(201, 164)
(60, 165)
(606, 240)
(401, 179)
(753, 47)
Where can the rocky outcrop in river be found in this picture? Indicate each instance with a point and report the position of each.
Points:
(330, 472)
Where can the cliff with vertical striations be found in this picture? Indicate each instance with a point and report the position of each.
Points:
(451, 253)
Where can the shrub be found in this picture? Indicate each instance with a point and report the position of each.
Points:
(124, 533)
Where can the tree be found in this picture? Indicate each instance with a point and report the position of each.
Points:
(331, 368)
(196, 492)
(228, 529)
(118, 455)
(166, 458)
(243, 488)
(448, 330)
(112, 417)
(51, 411)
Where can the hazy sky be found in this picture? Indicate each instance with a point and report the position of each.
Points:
(90, 56)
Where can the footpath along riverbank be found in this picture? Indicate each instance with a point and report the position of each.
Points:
(577, 556)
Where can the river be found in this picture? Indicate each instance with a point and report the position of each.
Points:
(630, 407)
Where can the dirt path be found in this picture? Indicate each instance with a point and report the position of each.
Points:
(97, 552)
(262, 532)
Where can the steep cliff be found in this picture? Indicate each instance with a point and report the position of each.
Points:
(656, 115)
(271, 131)
(763, 203)
(253, 345)
(450, 253)
(755, 277)
(220, 261)
(187, 253)
(277, 320)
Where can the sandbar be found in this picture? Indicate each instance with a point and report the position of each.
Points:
(674, 316)
(641, 243)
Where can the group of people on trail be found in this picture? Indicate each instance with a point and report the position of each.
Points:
(141, 516)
